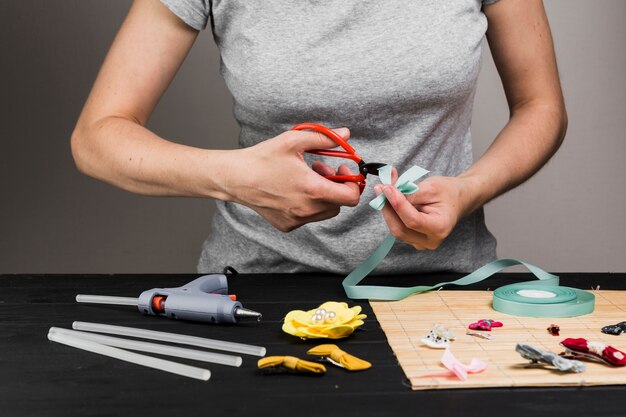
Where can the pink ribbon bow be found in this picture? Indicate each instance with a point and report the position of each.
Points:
(458, 369)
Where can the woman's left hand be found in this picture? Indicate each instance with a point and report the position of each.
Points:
(425, 218)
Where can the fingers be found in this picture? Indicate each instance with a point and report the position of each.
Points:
(407, 223)
(425, 195)
(286, 222)
(407, 213)
(322, 169)
(394, 175)
(327, 171)
(398, 229)
(345, 170)
(340, 194)
(287, 192)
(344, 132)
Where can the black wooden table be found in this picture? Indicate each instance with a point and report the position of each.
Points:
(42, 378)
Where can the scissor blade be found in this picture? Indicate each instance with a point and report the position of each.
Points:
(371, 168)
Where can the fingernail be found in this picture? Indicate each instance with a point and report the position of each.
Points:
(388, 191)
(343, 131)
(378, 189)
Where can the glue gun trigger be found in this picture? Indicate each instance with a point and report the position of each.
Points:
(210, 284)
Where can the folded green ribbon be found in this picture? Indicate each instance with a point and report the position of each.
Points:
(406, 183)
(565, 302)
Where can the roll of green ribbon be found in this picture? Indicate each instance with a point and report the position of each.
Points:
(531, 300)
(541, 298)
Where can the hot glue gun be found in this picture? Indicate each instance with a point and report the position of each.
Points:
(203, 299)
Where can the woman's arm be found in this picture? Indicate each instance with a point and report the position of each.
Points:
(521, 44)
(110, 141)
(520, 41)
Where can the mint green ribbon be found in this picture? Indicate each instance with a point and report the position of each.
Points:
(568, 302)
(406, 183)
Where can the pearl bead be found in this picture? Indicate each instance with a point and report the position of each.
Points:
(330, 317)
(320, 311)
(317, 318)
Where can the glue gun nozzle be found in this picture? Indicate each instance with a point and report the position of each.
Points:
(244, 313)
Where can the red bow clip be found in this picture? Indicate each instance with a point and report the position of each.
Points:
(594, 350)
(485, 324)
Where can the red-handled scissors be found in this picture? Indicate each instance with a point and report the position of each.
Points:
(350, 153)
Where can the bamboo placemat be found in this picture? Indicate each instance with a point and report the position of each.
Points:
(406, 322)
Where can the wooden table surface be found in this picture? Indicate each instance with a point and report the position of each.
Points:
(42, 378)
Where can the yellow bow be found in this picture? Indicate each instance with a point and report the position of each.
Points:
(338, 356)
(292, 363)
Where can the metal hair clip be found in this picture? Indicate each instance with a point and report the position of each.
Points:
(329, 360)
(334, 355)
(487, 336)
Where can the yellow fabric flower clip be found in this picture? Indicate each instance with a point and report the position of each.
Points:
(292, 363)
(331, 320)
(338, 357)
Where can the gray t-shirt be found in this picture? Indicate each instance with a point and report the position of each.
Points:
(400, 74)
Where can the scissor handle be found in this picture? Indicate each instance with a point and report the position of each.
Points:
(359, 179)
(350, 152)
(339, 154)
(331, 134)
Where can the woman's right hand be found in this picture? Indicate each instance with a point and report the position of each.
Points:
(273, 179)
(110, 141)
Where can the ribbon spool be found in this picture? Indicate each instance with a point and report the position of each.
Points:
(532, 300)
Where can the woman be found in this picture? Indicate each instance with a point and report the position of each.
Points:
(400, 75)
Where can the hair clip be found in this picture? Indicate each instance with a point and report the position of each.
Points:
(278, 364)
(553, 329)
(485, 324)
(487, 336)
(338, 357)
(615, 329)
(594, 350)
(537, 355)
(438, 337)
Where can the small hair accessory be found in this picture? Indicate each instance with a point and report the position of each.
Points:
(487, 336)
(331, 320)
(485, 324)
(594, 350)
(537, 355)
(615, 329)
(291, 363)
(438, 337)
(338, 357)
(456, 368)
(553, 329)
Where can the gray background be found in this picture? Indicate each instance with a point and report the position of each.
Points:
(569, 217)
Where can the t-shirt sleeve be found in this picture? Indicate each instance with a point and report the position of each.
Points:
(194, 13)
